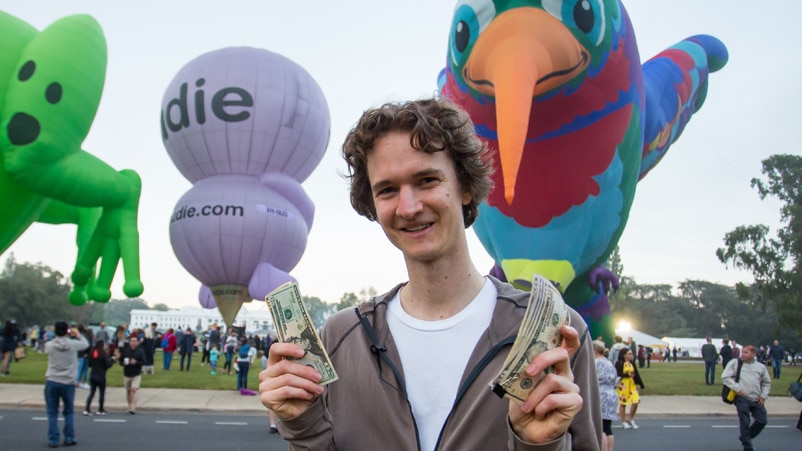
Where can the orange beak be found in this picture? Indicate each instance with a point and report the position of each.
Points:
(522, 53)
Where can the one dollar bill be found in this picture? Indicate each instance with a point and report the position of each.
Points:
(539, 331)
(294, 325)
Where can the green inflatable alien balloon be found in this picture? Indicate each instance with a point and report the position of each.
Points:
(50, 87)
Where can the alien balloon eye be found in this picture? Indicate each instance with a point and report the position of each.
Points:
(26, 71)
(53, 93)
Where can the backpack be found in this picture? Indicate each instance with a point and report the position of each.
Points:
(796, 388)
(244, 350)
(728, 394)
(165, 342)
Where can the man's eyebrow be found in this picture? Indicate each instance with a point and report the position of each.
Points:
(429, 172)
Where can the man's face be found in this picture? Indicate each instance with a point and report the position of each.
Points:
(748, 354)
(776, 342)
(418, 199)
(133, 341)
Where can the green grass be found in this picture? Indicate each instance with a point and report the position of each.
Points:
(688, 379)
(661, 379)
(31, 370)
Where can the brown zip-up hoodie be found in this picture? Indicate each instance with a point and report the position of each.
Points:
(366, 409)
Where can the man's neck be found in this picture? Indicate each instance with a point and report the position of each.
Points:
(440, 290)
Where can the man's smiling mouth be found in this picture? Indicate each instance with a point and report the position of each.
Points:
(416, 228)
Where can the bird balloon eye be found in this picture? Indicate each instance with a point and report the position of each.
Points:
(586, 16)
(470, 17)
(462, 36)
(583, 16)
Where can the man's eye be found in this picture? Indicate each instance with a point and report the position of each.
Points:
(385, 191)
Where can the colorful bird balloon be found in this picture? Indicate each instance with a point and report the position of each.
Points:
(574, 120)
(50, 88)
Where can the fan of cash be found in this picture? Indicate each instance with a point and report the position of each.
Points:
(539, 331)
(294, 325)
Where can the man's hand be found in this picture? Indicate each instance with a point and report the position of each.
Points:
(288, 388)
(551, 407)
(760, 401)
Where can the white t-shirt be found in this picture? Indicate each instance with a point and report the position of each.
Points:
(434, 355)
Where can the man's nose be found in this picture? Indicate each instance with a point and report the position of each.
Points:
(409, 203)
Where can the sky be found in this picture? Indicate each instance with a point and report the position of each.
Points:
(364, 53)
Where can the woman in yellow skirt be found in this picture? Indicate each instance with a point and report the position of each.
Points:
(627, 389)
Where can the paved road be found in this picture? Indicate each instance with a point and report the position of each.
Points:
(212, 432)
(178, 419)
(24, 430)
(707, 434)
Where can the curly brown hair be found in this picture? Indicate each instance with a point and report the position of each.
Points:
(434, 125)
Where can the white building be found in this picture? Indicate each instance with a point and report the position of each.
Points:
(200, 319)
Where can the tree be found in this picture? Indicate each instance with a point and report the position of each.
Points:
(318, 310)
(366, 293)
(118, 311)
(708, 306)
(162, 307)
(773, 262)
(35, 294)
(350, 300)
(347, 300)
(619, 298)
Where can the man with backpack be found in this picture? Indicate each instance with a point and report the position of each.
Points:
(752, 389)
(244, 359)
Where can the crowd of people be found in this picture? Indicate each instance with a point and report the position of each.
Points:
(620, 384)
(79, 358)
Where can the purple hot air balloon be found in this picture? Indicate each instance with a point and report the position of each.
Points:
(243, 110)
(246, 126)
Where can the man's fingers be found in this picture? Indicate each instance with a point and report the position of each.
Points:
(279, 351)
(289, 385)
(570, 339)
(565, 404)
(552, 384)
(286, 366)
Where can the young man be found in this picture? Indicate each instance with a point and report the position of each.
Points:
(777, 355)
(725, 352)
(414, 364)
(752, 390)
(62, 366)
(132, 357)
(710, 356)
(187, 347)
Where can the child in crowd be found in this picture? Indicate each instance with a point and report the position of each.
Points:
(214, 354)
(99, 362)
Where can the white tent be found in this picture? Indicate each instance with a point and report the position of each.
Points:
(693, 346)
(642, 338)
